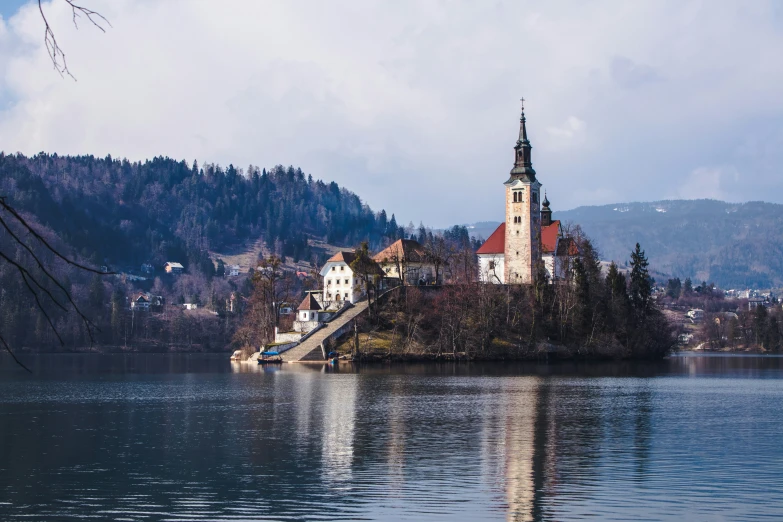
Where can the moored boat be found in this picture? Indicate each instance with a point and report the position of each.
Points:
(269, 358)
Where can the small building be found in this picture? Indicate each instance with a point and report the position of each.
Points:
(141, 303)
(406, 261)
(696, 314)
(190, 306)
(755, 302)
(286, 309)
(172, 267)
(308, 309)
(232, 271)
(147, 268)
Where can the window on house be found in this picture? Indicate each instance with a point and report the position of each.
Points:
(515, 197)
(334, 268)
(346, 281)
(491, 265)
(342, 268)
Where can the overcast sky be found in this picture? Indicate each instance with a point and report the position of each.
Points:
(415, 105)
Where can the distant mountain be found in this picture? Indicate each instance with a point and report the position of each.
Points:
(731, 244)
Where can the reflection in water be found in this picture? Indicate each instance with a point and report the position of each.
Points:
(517, 422)
(395, 443)
(186, 438)
(337, 432)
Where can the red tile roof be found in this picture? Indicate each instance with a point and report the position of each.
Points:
(343, 256)
(309, 303)
(496, 243)
(410, 250)
(549, 235)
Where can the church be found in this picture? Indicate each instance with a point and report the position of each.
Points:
(528, 236)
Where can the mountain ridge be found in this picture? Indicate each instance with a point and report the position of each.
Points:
(730, 244)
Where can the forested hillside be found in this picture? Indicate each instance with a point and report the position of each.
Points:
(123, 213)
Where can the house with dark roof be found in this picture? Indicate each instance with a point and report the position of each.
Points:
(406, 261)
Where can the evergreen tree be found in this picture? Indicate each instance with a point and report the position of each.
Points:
(674, 288)
(760, 316)
(641, 285)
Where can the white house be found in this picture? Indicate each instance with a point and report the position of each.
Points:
(190, 306)
(232, 271)
(173, 268)
(696, 314)
(340, 283)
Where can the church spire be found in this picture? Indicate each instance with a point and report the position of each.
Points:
(523, 165)
(546, 213)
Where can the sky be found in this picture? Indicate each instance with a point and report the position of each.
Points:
(414, 105)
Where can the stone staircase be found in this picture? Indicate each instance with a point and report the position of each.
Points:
(310, 348)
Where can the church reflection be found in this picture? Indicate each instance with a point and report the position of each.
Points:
(508, 446)
(338, 429)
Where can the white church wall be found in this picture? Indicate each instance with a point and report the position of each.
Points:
(491, 268)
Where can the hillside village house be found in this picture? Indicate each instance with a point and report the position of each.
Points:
(406, 261)
(145, 302)
(173, 268)
(233, 270)
(141, 304)
(340, 283)
(528, 235)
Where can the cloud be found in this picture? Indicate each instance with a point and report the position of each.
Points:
(710, 183)
(413, 105)
(630, 75)
(572, 130)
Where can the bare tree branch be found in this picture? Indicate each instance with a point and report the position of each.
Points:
(8, 349)
(54, 50)
(32, 282)
(36, 235)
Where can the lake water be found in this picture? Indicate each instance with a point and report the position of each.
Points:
(193, 437)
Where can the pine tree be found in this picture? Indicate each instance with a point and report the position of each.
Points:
(641, 285)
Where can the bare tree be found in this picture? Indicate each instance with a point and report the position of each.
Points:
(36, 272)
(56, 53)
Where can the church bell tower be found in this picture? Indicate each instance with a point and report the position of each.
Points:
(523, 223)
